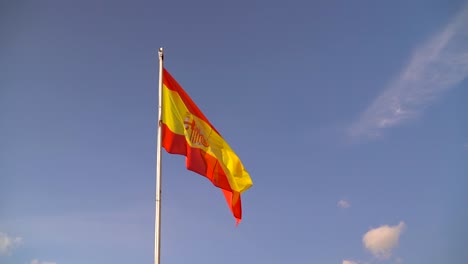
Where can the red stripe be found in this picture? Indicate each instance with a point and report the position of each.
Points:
(236, 209)
(204, 164)
(173, 85)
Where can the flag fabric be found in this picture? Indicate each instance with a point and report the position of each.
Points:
(186, 131)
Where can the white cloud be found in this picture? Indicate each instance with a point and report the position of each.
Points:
(36, 261)
(382, 240)
(349, 262)
(343, 204)
(7, 243)
(436, 66)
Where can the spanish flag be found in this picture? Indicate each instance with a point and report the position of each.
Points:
(186, 131)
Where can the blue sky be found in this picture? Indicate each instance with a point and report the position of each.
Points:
(348, 115)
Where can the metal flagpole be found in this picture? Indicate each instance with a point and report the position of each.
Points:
(157, 220)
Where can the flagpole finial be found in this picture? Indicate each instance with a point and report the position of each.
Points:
(161, 54)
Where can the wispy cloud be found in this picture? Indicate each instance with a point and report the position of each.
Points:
(36, 261)
(343, 204)
(382, 240)
(107, 228)
(436, 66)
(8, 243)
(349, 262)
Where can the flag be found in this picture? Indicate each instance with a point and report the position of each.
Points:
(186, 131)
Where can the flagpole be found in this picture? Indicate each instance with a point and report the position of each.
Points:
(157, 220)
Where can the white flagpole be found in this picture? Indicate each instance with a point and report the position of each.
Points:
(157, 220)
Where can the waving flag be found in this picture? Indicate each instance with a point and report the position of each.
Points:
(186, 131)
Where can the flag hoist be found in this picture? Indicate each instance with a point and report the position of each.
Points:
(184, 130)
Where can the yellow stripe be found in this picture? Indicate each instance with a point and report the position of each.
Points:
(175, 113)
